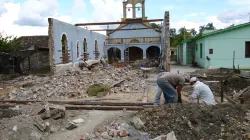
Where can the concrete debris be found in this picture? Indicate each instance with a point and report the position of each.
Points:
(71, 83)
(41, 125)
(171, 136)
(77, 121)
(56, 112)
(137, 122)
(14, 128)
(70, 126)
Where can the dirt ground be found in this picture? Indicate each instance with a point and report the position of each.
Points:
(188, 121)
(193, 122)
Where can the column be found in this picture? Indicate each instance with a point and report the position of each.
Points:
(122, 48)
(124, 10)
(143, 9)
(144, 54)
(134, 11)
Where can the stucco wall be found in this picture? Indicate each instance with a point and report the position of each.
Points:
(223, 46)
(75, 34)
(134, 33)
(200, 61)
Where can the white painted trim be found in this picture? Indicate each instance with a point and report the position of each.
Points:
(65, 34)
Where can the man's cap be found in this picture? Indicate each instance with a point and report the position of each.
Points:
(193, 79)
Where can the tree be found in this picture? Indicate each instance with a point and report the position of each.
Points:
(201, 29)
(210, 26)
(193, 32)
(154, 25)
(172, 32)
(182, 35)
(9, 43)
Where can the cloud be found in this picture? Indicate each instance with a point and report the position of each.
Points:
(239, 1)
(233, 16)
(189, 24)
(78, 8)
(2, 7)
(9, 28)
(107, 10)
(36, 12)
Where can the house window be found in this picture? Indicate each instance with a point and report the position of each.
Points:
(201, 50)
(196, 47)
(211, 51)
(247, 51)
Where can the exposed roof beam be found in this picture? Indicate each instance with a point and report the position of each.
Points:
(125, 22)
(120, 29)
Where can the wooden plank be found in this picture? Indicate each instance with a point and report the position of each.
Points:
(236, 96)
(126, 22)
(133, 108)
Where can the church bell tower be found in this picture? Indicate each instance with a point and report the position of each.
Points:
(134, 9)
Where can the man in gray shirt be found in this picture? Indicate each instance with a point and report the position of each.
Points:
(169, 82)
(159, 91)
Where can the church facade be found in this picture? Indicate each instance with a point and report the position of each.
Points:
(132, 40)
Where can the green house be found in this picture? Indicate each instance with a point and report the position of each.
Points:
(226, 48)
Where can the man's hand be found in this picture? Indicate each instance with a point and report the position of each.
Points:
(179, 87)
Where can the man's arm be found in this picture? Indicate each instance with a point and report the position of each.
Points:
(179, 87)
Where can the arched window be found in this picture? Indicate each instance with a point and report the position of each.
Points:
(65, 55)
(96, 52)
(138, 10)
(85, 49)
(129, 11)
(77, 49)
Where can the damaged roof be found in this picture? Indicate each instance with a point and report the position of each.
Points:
(34, 41)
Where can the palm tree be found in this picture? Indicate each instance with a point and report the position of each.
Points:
(193, 32)
(201, 29)
(172, 32)
(210, 26)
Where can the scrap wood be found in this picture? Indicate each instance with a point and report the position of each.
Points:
(229, 99)
(237, 95)
(73, 107)
(80, 103)
(4, 106)
(118, 82)
(5, 91)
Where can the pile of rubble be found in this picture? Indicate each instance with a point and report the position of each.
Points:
(70, 83)
(192, 121)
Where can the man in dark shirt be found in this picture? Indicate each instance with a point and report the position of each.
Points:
(169, 83)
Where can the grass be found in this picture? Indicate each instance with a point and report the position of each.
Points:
(98, 90)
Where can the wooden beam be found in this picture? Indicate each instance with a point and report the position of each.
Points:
(78, 102)
(73, 107)
(121, 29)
(124, 22)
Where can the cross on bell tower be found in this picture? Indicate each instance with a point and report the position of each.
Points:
(134, 8)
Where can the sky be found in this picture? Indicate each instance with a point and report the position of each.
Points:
(30, 17)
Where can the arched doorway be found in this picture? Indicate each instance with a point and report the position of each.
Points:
(114, 55)
(65, 54)
(133, 53)
(153, 52)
